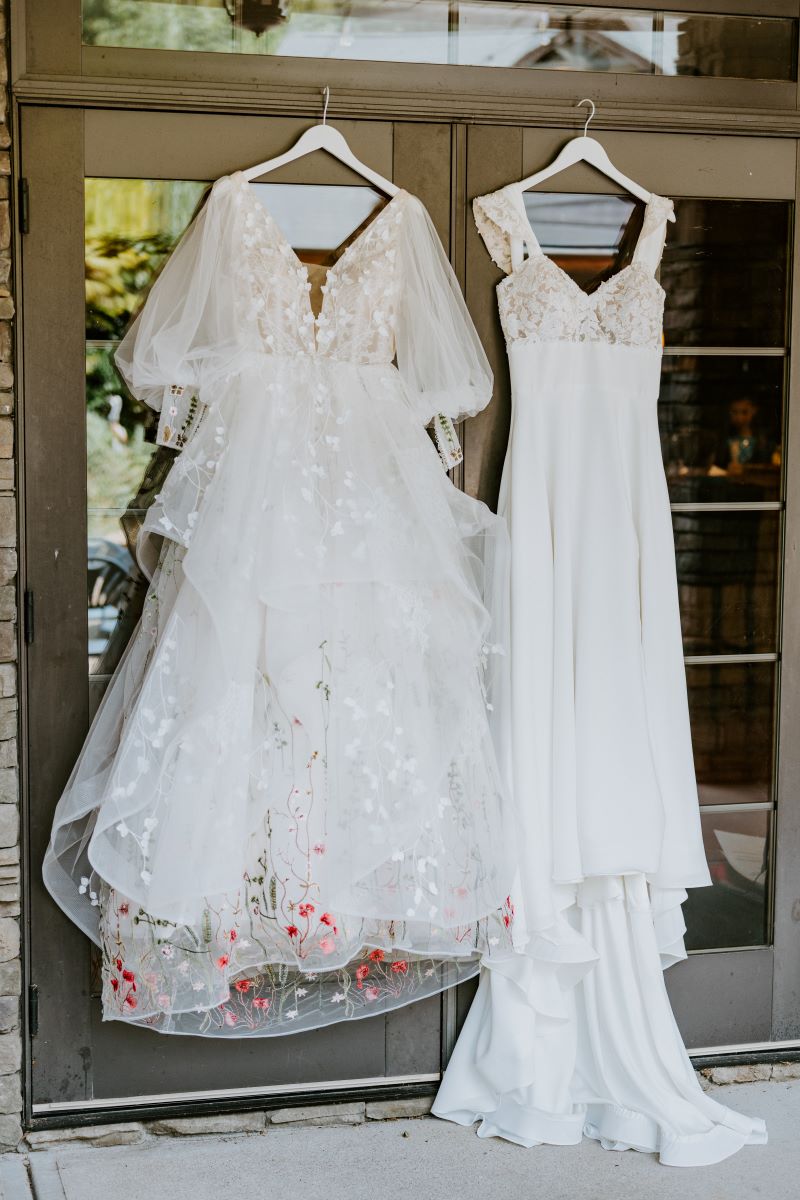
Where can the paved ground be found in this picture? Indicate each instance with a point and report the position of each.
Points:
(422, 1159)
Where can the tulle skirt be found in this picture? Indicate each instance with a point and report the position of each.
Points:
(288, 809)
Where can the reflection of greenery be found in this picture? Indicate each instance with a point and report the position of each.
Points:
(114, 471)
(118, 271)
(199, 25)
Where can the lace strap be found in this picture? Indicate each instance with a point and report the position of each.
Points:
(504, 229)
(650, 245)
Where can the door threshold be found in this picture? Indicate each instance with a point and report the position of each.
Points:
(171, 1100)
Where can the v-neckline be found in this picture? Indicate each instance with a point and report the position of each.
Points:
(515, 196)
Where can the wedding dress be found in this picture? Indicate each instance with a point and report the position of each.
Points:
(573, 1033)
(288, 810)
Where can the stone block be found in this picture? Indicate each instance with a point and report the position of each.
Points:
(742, 1073)
(9, 908)
(10, 1133)
(319, 1114)
(6, 342)
(10, 1054)
(9, 893)
(9, 1013)
(784, 1071)
(9, 826)
(9, 939)
(9, 872)
(8, 679)
(5, 224)
(9, 792)
(392, 1110)
(8, 752)
(10, 978)
(8, 565)
(93, 1135)
(9, 855)
(8, 640)
(8, 521)
(10, 1094)
(8, 712)
(6, 376)
(6, 435)
(246, 1122)
(6, 308)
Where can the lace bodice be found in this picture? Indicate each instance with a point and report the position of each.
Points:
(539, 302)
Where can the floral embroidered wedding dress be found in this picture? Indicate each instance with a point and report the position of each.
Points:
(288, 810)
(573, 1034)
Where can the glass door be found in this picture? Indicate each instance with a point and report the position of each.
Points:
(723, 417)
(110, 194)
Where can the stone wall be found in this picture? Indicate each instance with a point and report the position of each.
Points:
(10, 1033)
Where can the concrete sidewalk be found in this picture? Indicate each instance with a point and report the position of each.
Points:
(421, 1159)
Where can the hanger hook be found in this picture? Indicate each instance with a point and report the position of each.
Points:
(591, 114)
(326, 91)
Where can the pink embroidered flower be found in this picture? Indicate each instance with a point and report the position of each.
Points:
(124, 910)
(243, 985)
(163, 1000)
(506, 920)
(377, 955)
(223, 961)
(131, 1000)
(230, 1017)
(372, 993)
(292, 931)
(327, 945)
(297, 721)
(232, 936)
(114, 984)
(319, 848)
(261, 1002)
(400, 967)
(327, 919)
(361, 974)
(305, 910)
(461, 891)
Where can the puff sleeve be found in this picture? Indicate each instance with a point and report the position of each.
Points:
(439, 354)
(184, 340)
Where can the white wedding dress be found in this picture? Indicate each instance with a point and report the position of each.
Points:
(573, 1033)
(288, 810)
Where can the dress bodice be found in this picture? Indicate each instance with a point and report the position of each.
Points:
(539, 302)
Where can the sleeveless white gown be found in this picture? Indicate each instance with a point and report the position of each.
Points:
(573, 1033)
(288, 811)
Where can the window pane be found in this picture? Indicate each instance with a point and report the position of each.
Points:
(728, 580)
(489, 33)
(131, 224)
(743, 47)
(732, 912)
(732, 713)
(589, 236)
(721, 421)
(725, 271)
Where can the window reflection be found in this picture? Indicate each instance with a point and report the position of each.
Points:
(732, 912)
(571, 37)
(721, 421)
(725, 271)
(731, 707)
(589, 236)
(728, 580)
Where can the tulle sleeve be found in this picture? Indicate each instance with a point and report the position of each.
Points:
(184, 339)
(439, 353)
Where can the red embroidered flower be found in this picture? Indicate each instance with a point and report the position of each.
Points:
(377, 955)
(306, 910)
(260, 1002)
(223, 961)
(124, 910)
(118, 963)
(292, 931)
(400, 967)
(327, 919)
(233, 935)
(128, 976)
(230, 1017)
(131, 1000)
(319, 848)
(506, 920)
(296, 721)
(361, 974)
(372, 993)
(115, 984)
(243, 985)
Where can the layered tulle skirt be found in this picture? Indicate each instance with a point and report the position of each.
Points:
(288, 809)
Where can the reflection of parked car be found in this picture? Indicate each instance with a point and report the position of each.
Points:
(111, 570)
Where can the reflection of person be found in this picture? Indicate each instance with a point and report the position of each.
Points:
(744, 444)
